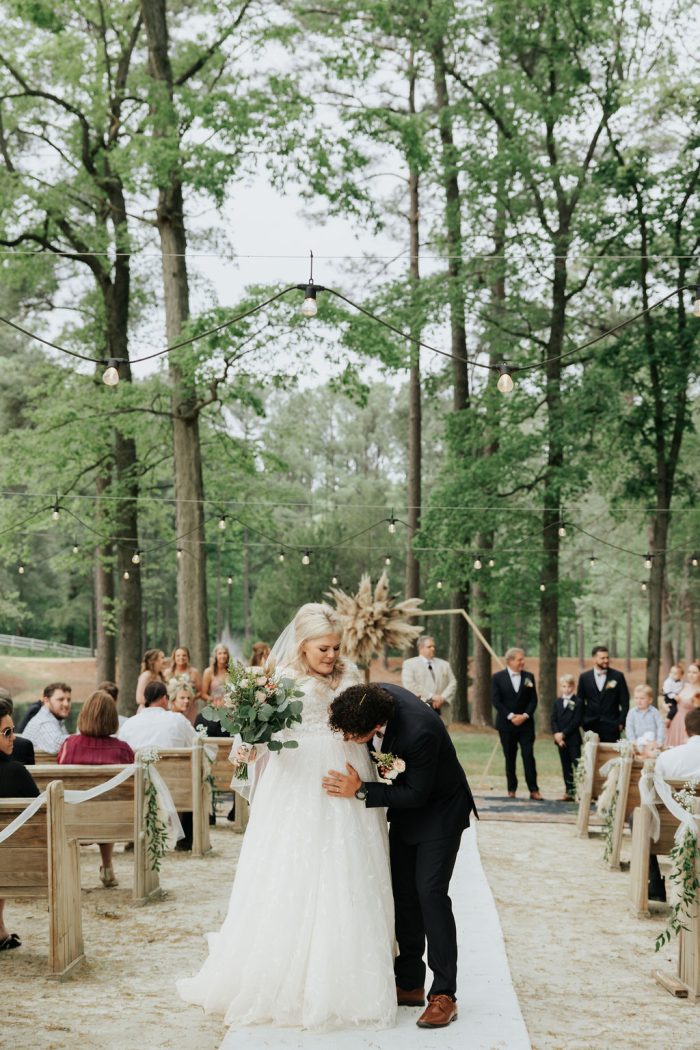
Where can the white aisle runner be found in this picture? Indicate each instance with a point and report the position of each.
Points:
(489, 1012)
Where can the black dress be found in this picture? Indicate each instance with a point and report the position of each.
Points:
(15, 781)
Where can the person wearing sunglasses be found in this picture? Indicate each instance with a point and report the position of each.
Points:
(15, 782)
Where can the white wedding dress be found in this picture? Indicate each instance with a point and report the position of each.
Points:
(308, 940)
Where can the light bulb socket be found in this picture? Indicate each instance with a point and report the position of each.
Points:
(280, 556)
(55, 512)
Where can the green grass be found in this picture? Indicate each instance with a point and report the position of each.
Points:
(482, 758)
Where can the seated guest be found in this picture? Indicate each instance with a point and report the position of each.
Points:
(676, 763)
(47, 730)
(23, 750)
(644, 725)
(15, 782)
(155, 726)
(567, 716)
(95, 745)
(181, 699)
(113, 689)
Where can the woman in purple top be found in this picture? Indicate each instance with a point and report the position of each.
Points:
(95, 745)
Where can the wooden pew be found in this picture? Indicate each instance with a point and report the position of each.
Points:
(117, 816)
(40, 861)
(186, 771)
(685, 983)
(593, 782)
(222, 772)
(643, 846)
(43, 758)
(631, 768)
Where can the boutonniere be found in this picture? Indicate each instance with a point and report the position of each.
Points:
(610, 685)
(528, 682)
(388, 765)
(569, 704)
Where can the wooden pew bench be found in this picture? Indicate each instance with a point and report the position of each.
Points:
(593, 781)
(643, 846)
(186, 772)
(627, 800)
(117, 816)
(222, 772)
(40, 861)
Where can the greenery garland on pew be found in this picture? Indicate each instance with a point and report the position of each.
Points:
(156, 828)
(684, 857)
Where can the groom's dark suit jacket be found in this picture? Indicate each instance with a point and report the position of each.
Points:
(609, 706)
(431, 799)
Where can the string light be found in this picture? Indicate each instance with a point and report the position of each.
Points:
(644, 587)
(562, 530)
(229, 581)
(76, 548)
(477, 562)
(222, 522)
(125, 574)
(387, 559)
(648, 560)
(439, 585)
(694, 561)
(280, 556)
(592, 562)
(306, 559)
(110, 376)
(505, 381)
(136, 558)
(542, 587)
(20, 569)
(56, 512)
(334, 581)
(696, 304)
(392, 524)
(178, 553)
(491, 563)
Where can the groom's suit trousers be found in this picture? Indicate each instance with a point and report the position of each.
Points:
(421, 874)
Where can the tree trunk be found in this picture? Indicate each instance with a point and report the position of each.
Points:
(414, 485)
(657, 583)
(106, 656)
(193, 626)
(628, 640)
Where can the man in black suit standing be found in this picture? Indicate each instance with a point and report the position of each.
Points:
(605, 696)
(514, 695)
(428, 806)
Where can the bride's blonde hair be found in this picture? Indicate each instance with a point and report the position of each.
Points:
(315, 620)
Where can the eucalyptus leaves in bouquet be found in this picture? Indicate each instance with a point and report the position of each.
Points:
(257, 703)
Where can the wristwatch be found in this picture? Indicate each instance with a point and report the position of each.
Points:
(361, 792)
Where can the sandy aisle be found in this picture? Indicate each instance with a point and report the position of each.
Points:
(581, 965)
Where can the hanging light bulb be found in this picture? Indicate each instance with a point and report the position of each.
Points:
(562, 530)
(20, 569)
(280, 556)
(306, 559)
(334, 581)
(491, 563)
(229, 581)
(178, 553)
(592, 562)
(477, 562)
(76, 548)
(387, 559)
(56, 512)
(542, 587)
(110, 376)
(439, 585)
(696, 304)
(222, 522)
(694, 561)
(644, 587)
(648, 561)
(136, 558)
(125, 574)
(505, 381)
(309, 307)
(392, 524)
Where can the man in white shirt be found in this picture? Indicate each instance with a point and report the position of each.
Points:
(514, 695)
(429, 678)
(155, 726)
(47, 729)
(683, 762)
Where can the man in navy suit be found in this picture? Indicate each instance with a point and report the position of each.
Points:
(514, 695)
(428, 807)
(606, 698)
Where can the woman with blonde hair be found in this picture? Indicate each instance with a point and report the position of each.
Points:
(96, 745)
(214, 677)
(151, 671)
(309, 935)
(684, 703)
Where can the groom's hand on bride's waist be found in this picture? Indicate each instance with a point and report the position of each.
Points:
(341, 785)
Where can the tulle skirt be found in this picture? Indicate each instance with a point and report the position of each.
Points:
(308, 940)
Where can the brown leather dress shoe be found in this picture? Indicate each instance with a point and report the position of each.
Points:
(536, 796)
(410, 997)
(511, 794)
(440, 1011)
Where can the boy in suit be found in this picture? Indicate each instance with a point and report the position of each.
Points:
(567, 716)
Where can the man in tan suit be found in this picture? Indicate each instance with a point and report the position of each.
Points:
(429, 678)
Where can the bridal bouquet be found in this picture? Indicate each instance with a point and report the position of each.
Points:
(256, 704)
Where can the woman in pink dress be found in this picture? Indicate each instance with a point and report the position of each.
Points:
(676, 733)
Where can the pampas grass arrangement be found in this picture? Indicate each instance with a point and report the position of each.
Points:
(373, 622)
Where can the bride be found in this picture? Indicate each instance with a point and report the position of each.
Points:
(308, 940)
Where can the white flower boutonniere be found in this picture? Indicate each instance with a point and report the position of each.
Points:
(610, 685)
(528, 682)
(389, 766)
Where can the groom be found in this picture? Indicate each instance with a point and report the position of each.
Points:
(428, 806)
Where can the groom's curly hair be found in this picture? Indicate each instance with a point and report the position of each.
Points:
(359, 709)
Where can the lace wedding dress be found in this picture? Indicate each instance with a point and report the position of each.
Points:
(308, 940)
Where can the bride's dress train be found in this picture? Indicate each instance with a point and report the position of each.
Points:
(309, 935)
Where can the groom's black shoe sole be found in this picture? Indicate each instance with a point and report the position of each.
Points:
(414, 997)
